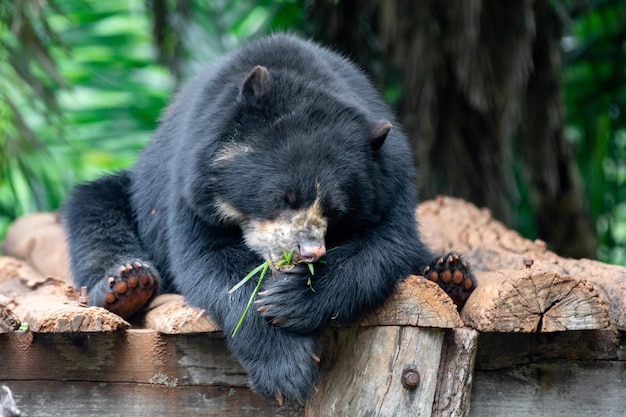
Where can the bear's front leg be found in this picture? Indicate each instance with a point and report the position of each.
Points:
(210, 260)
(279, 363)
(107, 254)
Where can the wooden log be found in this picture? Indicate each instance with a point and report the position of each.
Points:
(170, 314)
(369, 370)
(363, 370)
(454, 383)
(489, 246)
(486, 243)
(40, 240)
(17, 277)
(529, 300)
(611, 278)
(416, 302)
(53, 314)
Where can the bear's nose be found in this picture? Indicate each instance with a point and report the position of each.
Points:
(310, 252)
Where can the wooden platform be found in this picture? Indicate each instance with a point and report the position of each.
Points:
(542, 335)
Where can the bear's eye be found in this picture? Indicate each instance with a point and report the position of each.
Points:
(291, 199)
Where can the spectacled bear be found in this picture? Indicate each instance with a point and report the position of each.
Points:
(282, 145)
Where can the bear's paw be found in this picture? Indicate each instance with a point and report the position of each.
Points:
(453, 276)
(129, 287)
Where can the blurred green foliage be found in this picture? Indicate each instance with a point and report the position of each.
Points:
(29, 80)
(595, 93)
(82, 84)
(52, 135)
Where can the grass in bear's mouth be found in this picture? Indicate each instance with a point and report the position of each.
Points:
(281, 263)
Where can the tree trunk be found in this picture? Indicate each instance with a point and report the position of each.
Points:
(554, 180)
(470, 75)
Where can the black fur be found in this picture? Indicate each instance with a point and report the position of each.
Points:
(309, 126)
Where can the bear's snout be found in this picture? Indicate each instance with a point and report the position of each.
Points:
(310, 252)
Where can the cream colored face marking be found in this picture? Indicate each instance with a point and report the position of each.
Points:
(228, 213)
(229, 152)
(270, 238)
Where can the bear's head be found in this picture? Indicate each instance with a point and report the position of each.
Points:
(296, 167)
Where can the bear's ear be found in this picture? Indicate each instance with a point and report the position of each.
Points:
(256, 84)
(379, 133)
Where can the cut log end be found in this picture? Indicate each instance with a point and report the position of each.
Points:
(534, 301)
(417, 302)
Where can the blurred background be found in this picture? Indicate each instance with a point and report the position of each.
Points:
(514, 105)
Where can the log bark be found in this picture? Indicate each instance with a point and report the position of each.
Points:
(454, 384)
(9, 322)
(52, 314)
(170, 314)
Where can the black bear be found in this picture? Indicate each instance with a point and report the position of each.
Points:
(282, 146)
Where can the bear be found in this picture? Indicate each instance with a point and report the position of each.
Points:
(282, 146)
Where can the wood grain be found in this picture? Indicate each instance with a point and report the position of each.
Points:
(416, 302)
(361, 378)
(454, 384)
(530, 300)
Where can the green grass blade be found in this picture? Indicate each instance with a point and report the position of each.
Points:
(252, 273)
(265, 266)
